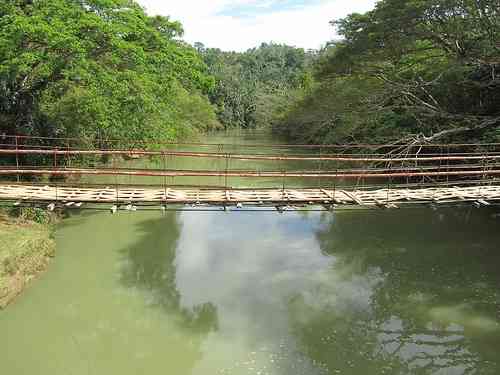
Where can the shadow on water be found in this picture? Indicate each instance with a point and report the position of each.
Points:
(149, 266)
(410, 292)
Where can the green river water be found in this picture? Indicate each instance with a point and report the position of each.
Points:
(410, 291)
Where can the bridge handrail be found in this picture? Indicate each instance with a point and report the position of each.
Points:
(257, 145)
(241, 174)
(261, 157)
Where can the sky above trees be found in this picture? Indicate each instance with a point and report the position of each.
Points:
(241, 24)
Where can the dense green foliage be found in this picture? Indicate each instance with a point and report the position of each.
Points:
(252, 87)
(421, 70)
(97, 69)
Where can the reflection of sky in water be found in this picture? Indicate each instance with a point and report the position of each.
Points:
(248, 273)
(276, 252)
(289, 303)
(251, 273)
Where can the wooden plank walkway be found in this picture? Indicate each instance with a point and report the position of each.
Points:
(389, 198)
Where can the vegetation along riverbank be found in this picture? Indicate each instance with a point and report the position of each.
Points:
(26, 247)
(94, 70)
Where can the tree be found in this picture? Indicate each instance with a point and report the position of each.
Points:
(95, 69)
(435, 64)
(251, 86)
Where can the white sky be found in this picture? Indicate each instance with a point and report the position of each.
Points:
(241, 24)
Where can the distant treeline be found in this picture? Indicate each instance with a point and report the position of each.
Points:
(252, 88)
(415, 70)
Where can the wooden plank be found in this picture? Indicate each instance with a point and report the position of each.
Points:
(353, 197)
(483, 195)
(331, 196)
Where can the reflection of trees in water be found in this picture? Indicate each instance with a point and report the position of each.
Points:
(434, 309)
(149, 266)
(430, 349)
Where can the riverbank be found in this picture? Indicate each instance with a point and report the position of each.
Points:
(26, 247)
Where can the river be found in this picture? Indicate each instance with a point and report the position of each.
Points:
(410, 291)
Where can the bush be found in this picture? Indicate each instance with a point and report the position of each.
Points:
(33, 214)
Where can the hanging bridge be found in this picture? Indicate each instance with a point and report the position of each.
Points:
(70, 173)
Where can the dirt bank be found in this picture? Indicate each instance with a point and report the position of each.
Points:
(26, 248)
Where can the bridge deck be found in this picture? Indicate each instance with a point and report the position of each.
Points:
(266, 197)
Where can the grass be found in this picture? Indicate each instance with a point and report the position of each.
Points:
(25, 250)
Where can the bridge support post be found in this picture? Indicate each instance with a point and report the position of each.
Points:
(17, 157)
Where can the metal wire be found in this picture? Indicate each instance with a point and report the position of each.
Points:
(257, 145)
(362, 158)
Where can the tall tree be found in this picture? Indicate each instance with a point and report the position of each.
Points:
(95, 68)
(434, 68)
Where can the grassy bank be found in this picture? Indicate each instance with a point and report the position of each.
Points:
(26, 246)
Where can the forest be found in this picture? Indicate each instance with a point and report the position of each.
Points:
(253, 88)
(411, 70)
(99, 69)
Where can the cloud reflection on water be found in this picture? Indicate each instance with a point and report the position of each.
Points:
(327, 293)
(253, 269)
